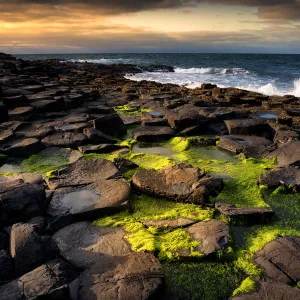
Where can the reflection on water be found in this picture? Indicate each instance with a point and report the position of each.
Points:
(268, 116)
(7, 168)
(154, 150)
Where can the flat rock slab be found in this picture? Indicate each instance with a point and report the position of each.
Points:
(288, 176)
(165, 224)
(288, 154)
(245, 215)
(24, 148)
(83, 172)
(280, 259)
(152, 133)
(49, 281)
(103, 148)
(178, 183)
(110, 124)
(83, 244)
(137, 276)
(271, 290)
(65, 139)
(213, 236)
(250, 146)
(21, 113)
(69, 154)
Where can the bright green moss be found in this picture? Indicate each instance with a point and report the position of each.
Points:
(246, 286)
(148, 161)
(127, 110)
(298, 284)
(179, 144)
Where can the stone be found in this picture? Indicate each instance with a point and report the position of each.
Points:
(29, 249)
(288, 176)
(65, 140)
(124, 165)
(48, 105)
(83, 244)
(136, 276)
(213, 236)
(286, 136)
(177, 183)
(249, 146)
(244, 215)
(21, 114)
(98, 137)
(3, 113)
(167, 224)
(110, 124)
(24, 148)
(102, 148)
(288, 154)
(152, 133)
(21, 200)
(83, 172)
(258, 127)
(280, 259)
(6, 269)
(49, 281)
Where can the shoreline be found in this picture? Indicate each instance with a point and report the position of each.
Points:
(107, 182)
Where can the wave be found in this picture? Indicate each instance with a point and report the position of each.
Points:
(105, 61)
(216, 71)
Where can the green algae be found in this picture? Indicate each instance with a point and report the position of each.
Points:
(129, 111)
(179, 144)
(246, 286)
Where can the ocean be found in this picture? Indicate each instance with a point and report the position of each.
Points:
(269, 74)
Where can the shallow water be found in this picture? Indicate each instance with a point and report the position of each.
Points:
(154, 150)
(268, 116)
(7, 168)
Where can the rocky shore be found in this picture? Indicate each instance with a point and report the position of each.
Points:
(115, 189)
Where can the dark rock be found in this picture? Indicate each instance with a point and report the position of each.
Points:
(208, 86)
(103, 148)
(286, 136)
(21, 114)
(4, 240)
(125, 165)
(244, 215)
(167, 224)
(48, 105)
(21, 200)
(287, 176)
(136, 276)
(49, 281)
(65, 140)
(152, 133)
(250, 146)
(29, 249)
(280, 259)
(100, 109)
(3, 113)
(110, 124)
(83, 244)
(293, 112)
(177, 183)
(288, 154)
(257, 127)
(6, 269)
(98, 137)
(213, 236)
(24, 148)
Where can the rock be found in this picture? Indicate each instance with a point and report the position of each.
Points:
(3, 113)
(250, 146)
(83, 244)
(177, 183)
(293, 112)
(269, 289)
(90, 201)
(288, 176)
(48, 105)
(83, 172)
(110, 124)
(21, 201)
(4, 240)
(29, 249)
(24, 148)
(167, 224)
(21, 114)
(98, 137)
(124, 165)
(288, 154)
(6, 270)
(280, 259)
(213, 236)
(152, 133)
(136, 276)
(103, 148)
(49, 281)
(286, 136)
(244, 215)
(65, 140)
(258, 127)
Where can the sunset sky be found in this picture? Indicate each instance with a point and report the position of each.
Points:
(80, 26)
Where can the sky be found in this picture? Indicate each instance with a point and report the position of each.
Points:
(141, 26)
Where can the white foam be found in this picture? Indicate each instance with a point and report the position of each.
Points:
(105, 61)
(216, 71)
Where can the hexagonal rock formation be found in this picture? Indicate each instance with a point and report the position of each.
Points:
(288, 176)
(152, 133)
(213, 236)
(83, 244)
(136, 276)
(250, 146)
(280, 259)
(181, 183)
(49, 281)
(165, 224)
(244, 215)
(24, 148)
(271, 290)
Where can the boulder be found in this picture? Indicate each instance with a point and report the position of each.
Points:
(29, 249)
(110, 124)
(136, 276)
(280, 259)
(49, 281)
(24, 148)
(65, 140)
(250, 146)
(97, 137)
(244, 215)
(258, 127)
(124, 165)
(213, 236)
(152, 133)
(177, 183)
(83, 244)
